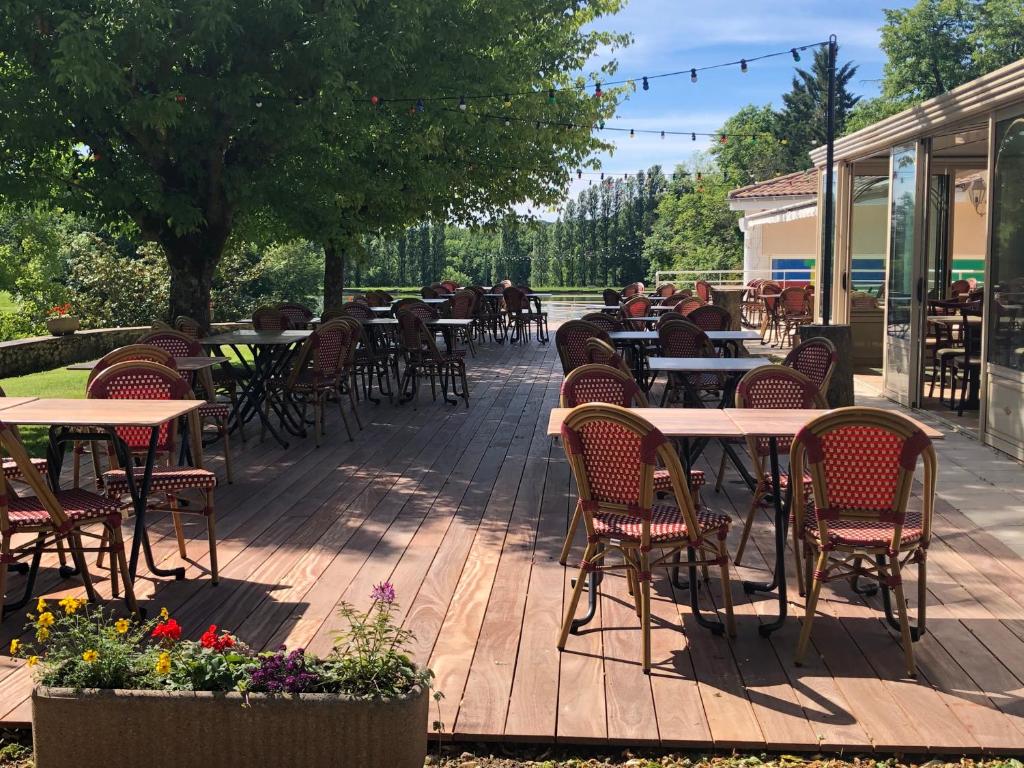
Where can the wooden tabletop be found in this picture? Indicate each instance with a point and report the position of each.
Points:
(449, 322)
(728, 288)
(653, 335)
(381, 310)
(380, 321)
(673, 422)
(602, 307)
(10, 402)
(786, 422)
(727, 423)
(183, 363)
(256, 338)
(707, 364)
(94, 413)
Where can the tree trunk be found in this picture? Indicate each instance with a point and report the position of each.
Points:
(192, 260)
(334, 275)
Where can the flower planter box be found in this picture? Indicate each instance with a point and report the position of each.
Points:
(62, 326)
(109, 729)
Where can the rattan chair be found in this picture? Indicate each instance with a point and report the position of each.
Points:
(816, 359)
(664, 290)
(631, 290)
(10, 466)
(226, 377)
(611, 297)
(774, 386)
(522, 319)
(613, 454)
(599, 351)
(794, 310)
(49, 518)
(181, 345)
(142, 380)
(861, 463)
(423, 357)
(637, 306)
(703, 291)
(681, 338)
(299, 315)
(709, 318)
(688, 305)
(271, 319)
(605, 322)
(570, 340)
(462, 306)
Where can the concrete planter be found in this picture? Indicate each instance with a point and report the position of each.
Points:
(62, 326)
(158, 729)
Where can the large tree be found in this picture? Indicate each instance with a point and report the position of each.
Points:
(319, 117)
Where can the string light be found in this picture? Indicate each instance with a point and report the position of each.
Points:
(598, 93)
(693, 137)
(551, 95)
(743, 66)
(462, 103)
(375, 100)
(632, 133)
(693, 75)
(646, 85)
(420, 106)
(663, 134)
(796, 54)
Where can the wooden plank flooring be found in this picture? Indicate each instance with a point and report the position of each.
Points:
(464, 510)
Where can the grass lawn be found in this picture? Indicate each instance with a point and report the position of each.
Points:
(7, 302)
(56, 383)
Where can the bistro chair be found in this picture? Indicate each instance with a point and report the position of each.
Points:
(966, 364)
(299, 315)
(181, 345)
(664, 290)
(599, 351)
(816, 359)
(462, 306)
(958, 289)
(710, 318)
(677, 297)
(703, 291)
(613, 454)
(770, 387)
(637, 306)
(750, 309)
(571, 339)
(681, 338)
(612, 298)
(271, 319)
(405, 304)
(449, 286)
(323, 369)
(10, 466)
(489, 317)
(423, 357)
(631, 290)
(605, 322)
(863, 300)
(770, 292)
(225, 376)
(142, 380)
(46, 520)
(794, 310)
(688, 305)
(427, 292)
(667, 317)
(521, 318)
(861, 464)
(354, 309)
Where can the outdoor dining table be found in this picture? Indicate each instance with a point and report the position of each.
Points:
(735, 424)
(271, 353)
(184, 364)
(68, 418)
(603, 307)
(10, 402)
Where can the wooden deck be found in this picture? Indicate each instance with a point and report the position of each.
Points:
(465, 510)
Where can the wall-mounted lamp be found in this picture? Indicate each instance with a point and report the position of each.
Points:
(977, 194)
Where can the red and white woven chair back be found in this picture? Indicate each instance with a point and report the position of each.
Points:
(958, 287)
(638, 306)
(571, 340)
(816, 359)
(424, 312)
(298, 315)
(681, 338)
(688, 305)
(775, 387)
(191, 328)
(703, 290)
(602, 352)
(598, 383)
(175, 343)
(353, 309)
(709, 318)
(463, 305)
(603, 321)
(132, 353)
(665, 290)
(612, 298)
(11, 446)
(331, 344)
(271, 319)
(631, 290)
(794, 300)
(141, 380)
(862, 463)
(449, 286)
(667, 317)
(515, 300)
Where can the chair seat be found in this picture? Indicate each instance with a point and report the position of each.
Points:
(215, 410)
(26, 512)
(663, 480)
(950, 351)
(165, 479)
(12, 472)
(869, 534)
(667, 524)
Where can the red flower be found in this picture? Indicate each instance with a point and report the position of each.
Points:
(210, 639)
(167, 630)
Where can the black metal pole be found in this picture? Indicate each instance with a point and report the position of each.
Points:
(828, 245)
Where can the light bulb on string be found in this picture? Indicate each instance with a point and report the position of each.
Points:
(551, 95)
(723, 139)
(462, 103)
(598, 93)
(796, 54)
(693, 137)
(693, 75)
(632, 133)
(663, 134)
(507, 122)
(579, 173)
(743, 66)
(507, 101)
(646, 86)
(420, 106)
(375, 100)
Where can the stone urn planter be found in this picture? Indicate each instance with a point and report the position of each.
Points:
(171, 729)
(63, 325)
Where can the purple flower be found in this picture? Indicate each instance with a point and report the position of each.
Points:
(383, 592)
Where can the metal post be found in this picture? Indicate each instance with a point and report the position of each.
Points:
(830, 222)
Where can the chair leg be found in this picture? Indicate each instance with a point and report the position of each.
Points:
(723, 565)
(755, 505)
(179, 531)
(721, 473)
(5, 559)
(574, 600)
(233, 397)
(355, 411)
(317, 417)
(78, 556)
(344, 418)
(901, 606)
(211, 533)
(228, 472)
(644, 577)
(104, 545)
(117, 553)
(569, 536)
(76, 464)
(922, 590)
(812, 603)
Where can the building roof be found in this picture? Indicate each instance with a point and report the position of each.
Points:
(798, 184)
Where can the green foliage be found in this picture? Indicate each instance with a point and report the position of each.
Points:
(109, 289)
(251, 275)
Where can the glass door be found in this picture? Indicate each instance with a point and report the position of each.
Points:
(904, 289)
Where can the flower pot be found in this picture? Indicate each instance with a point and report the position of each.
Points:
(158, 729)
(62, 326)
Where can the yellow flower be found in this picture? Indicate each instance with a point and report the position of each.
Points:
(15, 646)
(40, 605)
(122, 626)
(163, 664)
(33, 660)
(70, 604)
(42, 634)
(164, 615)
(90, 656)
(45, 619)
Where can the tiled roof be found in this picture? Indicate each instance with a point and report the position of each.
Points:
(790, 185)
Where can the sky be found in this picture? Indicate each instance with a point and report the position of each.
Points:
(670, 35)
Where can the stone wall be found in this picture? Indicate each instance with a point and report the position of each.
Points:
(43, 353)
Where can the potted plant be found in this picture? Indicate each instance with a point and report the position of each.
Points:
(123, 692)
(60, 321)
